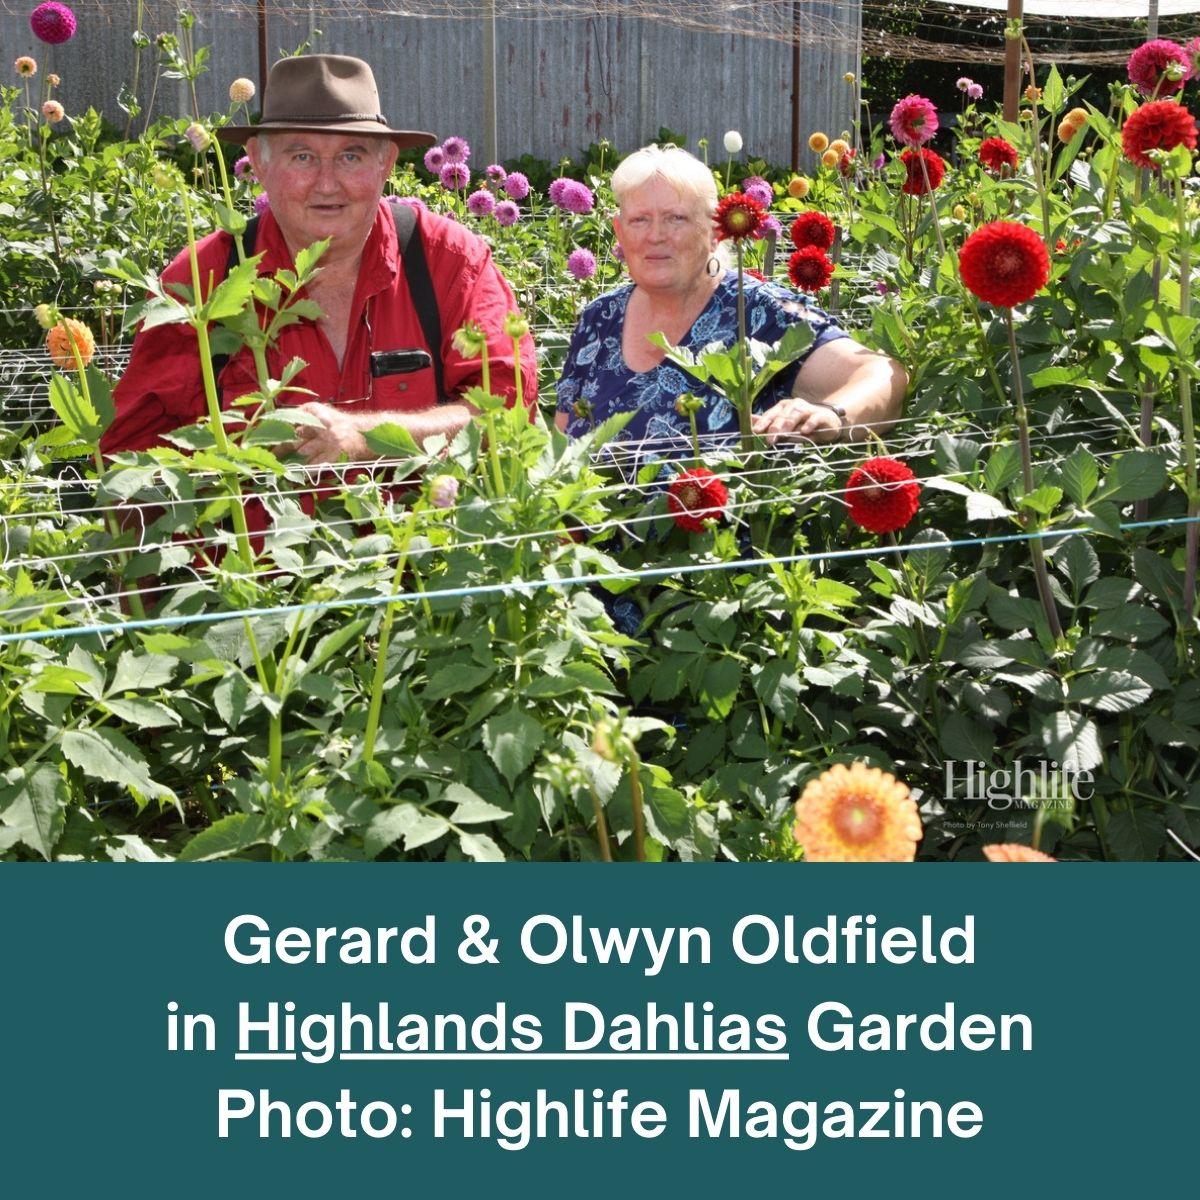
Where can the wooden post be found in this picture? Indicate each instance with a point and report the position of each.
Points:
(491, 130)
(262, 50)
(796, 86)
(1012, 64)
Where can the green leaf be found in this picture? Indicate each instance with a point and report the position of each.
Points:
(964, 740)
(33, 805)
(512, 739)
(1080, 475)
(1013, 612)
(928, 564)
(480, 847)
(406, 821)
(1136, 836)
(106, 755)
(390, 440)
(1135, 475)
(1109, 691)
(1132, 622)
(457, 679)
(983, 507)
(719, 687)
(331, 643)
(1076, 557)
(74, 410)
(229, 835)
(233, 293)
(81, 661)
(1043, 500)
(230, 698)
(1110, 592)
(1071, 740)
(779, 687)
(142, 672)
(142, 713)
(471, 808)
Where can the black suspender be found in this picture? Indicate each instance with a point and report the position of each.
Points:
(416, 274)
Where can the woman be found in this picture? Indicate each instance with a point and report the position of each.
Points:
(667, 199)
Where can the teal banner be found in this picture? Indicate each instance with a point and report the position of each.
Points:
(597, 1030)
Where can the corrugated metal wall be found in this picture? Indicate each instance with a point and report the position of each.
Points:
(561, 83)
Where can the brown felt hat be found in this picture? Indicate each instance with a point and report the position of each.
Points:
(324, 93)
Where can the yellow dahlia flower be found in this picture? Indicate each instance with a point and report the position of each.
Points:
(818, 142)
(798, 187)
(1013, 852)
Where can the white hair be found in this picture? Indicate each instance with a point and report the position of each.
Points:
(672, 164)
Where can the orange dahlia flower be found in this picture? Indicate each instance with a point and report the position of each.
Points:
(857, 814)
(1014, 852)
(58, 343)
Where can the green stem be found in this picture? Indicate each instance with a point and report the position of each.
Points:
(743, 357)
(137, 62)
(1041, 575)
(1192, 541)
(639, 820)
(601, 826)
(210, 384)
(385, 633)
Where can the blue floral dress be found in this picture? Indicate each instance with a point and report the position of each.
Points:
(596, 373)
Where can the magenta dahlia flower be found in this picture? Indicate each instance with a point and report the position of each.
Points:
(975, 91)
(435, 159)
(454, 176)
(516, 185)
(495, 172)
(1149, 63)
(581, 263)
(261, 203)
(577, 198)
(456, 150)
(481, 203)
(556, 189)
(914, 121)
(53, 23)
(506, 212)
(242, 168)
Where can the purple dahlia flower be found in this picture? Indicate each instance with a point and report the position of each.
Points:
(435, 159)
(456, 150)
(577, 198)
(454, 176)
(495, 172)
(506, 212)
(261, 203)
(481, 203)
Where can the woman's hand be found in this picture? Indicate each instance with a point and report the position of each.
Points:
(794, 418)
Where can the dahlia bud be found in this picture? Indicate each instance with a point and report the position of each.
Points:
(515, 325)
(241, 91)
(1026, 114)
(53, 111)
(53, 80)
(848, 77)
(733, 142)
(44, 315)
(818, 142)
(960, 213)
(1174, 71)
(443, 491)
(200, 138)
(470, 341)
(1013, 30)
(603, 741)
(1033, 94)
(164, 177)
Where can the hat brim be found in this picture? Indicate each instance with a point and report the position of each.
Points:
(405, 139)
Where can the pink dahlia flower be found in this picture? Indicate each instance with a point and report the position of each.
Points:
(914, 121)
(1149, 63)
(53, 23)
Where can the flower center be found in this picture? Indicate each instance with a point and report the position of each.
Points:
(857, 819)
(1008, 263)
(689, 495)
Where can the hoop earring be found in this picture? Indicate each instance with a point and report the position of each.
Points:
(713, 267)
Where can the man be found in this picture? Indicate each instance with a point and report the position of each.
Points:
(323, 153)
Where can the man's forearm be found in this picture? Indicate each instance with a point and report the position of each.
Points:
(444, 420)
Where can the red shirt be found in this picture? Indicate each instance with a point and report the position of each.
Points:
(162, 389)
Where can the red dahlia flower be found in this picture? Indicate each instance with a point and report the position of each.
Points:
(996, 154)
(914, 184)
(1159, 125)
(882, 495)
(1148, 65)
(738, 216)
(1004, 263)
(696, 496)
(809, 269)
(813, 229)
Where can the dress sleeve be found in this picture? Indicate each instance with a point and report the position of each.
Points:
(574, 374)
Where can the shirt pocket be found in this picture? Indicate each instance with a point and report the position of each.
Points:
(406, 393)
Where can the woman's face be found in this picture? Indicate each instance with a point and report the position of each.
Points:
(667, 237)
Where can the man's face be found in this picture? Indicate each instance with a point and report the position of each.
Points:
(323, 185)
